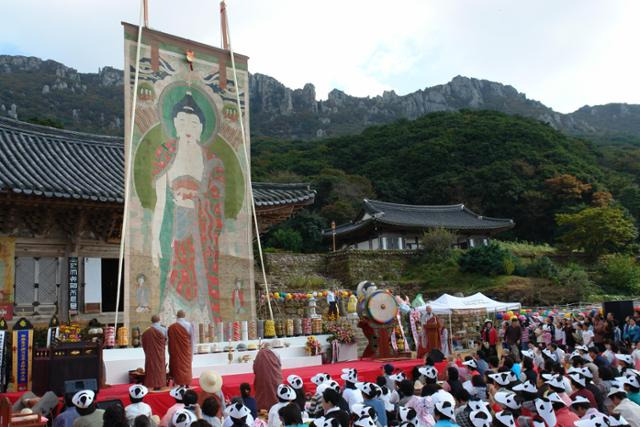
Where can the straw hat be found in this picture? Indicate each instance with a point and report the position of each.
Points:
(210, 381)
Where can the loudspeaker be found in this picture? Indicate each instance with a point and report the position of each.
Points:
(619, 309)
(74, 386)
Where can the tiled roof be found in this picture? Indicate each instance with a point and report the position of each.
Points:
(42, 161)
(455, 217)
(273, 194)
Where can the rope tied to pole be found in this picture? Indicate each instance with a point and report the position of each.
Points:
(227, 40)
(128, 162)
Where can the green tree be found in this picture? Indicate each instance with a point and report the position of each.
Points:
(489, 260)
(285, 238)
(437, 244)
(619, 274)
(597, 231)
(542, 267)
(309, 225)
(576, 278)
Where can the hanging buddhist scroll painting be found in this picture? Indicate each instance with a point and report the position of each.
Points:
(189, 238)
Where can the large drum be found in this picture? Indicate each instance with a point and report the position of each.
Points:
(381, 307)
(378, 317)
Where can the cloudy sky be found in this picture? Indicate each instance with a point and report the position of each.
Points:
(565, 53)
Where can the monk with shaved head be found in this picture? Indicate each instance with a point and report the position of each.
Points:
(154, 341)
(181, 348)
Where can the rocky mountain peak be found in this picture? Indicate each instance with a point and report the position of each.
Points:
(279, 111)
(110, 76)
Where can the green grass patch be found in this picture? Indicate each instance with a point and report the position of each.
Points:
(526, 249)
(446, 277)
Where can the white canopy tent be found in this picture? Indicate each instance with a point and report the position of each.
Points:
(446, 304)
(478, 301)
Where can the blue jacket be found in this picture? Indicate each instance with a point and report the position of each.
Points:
(378, 406)
(631, 333)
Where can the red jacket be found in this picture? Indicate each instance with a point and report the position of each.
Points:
(566, 418)
(492, 337)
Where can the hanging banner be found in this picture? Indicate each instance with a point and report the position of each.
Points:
(73, 284)
(7, 275)
(189, 237)
(22, 355)
(52, 335)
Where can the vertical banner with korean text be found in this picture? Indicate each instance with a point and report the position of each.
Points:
(73, 284)
(189, 237)
(22, 355)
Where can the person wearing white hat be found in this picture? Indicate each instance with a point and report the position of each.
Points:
(285, 395)
(503, 379)
(631, 381)
(85, 403)
(320, 377)
(624, 407)
(408, 415)
(370, 393)
(564, 417)
(428, 374)
(314, 408)
(480, 418)
(583, 409)
(557, 385)
(360, 410)
(211, 384)
(578, 382)
(182, 418)
(507, 400)
(504, 419)
(544, 408)
(137, 407)
(596, 391)
(239, 415)
(594, 421)
(298, 386)
(444, 414)
(177, 393)
(351, 393)
(526, 387)
(625, 361)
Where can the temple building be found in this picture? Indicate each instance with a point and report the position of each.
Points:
(389, 226)
(61, 209)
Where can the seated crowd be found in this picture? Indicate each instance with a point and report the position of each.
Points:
(532, 384)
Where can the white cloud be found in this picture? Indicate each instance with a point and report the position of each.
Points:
(565, 54)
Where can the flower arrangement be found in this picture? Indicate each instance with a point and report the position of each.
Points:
(70, 333)
(312, 347)
(341, 331)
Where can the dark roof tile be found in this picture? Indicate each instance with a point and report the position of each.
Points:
(43, 161)
(455, 217)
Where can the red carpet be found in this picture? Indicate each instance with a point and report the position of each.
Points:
(368, 370)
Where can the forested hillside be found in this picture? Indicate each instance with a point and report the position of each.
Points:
(496, 164)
